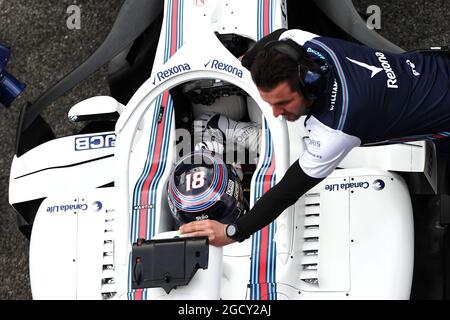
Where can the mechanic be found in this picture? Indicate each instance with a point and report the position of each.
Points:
(352, 95)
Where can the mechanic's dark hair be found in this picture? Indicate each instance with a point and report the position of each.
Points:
(270, 67)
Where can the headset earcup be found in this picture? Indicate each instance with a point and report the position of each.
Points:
(315, 75)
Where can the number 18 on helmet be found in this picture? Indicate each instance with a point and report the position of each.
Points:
(201, 186)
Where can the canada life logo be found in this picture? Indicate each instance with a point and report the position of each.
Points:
(97, 206)
(378, 184)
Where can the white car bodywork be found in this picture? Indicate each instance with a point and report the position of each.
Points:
(350, 237)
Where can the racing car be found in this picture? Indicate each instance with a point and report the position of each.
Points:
(100, 227)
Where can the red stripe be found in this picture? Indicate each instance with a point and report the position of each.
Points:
(144, 193)
(265, 239)
(173, 47)
(138, 294)
(266, 186)
(263, 262)
(155, 164)
(266, 17)
(268, 176)
(265, 291)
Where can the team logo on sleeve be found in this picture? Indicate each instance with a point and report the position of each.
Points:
(390, 74)
(334, 95)
(373, 69)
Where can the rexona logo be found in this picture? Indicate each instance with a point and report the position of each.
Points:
(218, 65)
(163, 75)
(95, 142)
(392, 78)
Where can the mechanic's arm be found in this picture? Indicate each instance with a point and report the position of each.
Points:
(284, 194)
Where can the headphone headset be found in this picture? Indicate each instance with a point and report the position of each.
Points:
(313, 77)
(10, 87)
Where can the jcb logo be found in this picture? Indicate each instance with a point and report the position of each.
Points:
(95, 142)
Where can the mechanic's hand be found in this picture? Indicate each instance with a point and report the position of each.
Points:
(214, 230)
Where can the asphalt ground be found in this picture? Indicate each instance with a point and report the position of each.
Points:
(45, 49)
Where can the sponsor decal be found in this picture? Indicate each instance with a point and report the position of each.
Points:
(413, 68)
(378, 184)
(230, 188)
(161, 114)
(200, 3)
(243, 134)
(143, 206)
(313, 143)
(171, 206)
(202, 217)
(67, 207)
(317, 156)
(334, 95)
(95, 142)
(347, 186)
(97, 206)
(218, 65)
(315, 52)
(163, 75)
(236, 191)
(284, 10)
(392, 78)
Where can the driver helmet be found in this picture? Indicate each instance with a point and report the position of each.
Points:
(201, 186)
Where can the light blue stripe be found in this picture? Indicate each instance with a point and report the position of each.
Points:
(255, 287)
(160, 170)
(168, 33)
(161, 167)
(345, 96)
(142, 178)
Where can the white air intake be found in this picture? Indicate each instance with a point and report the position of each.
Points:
(310, 249)
(109, 289)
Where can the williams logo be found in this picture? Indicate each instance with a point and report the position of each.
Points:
(334, 95)
(378, 184)
(217, 65)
